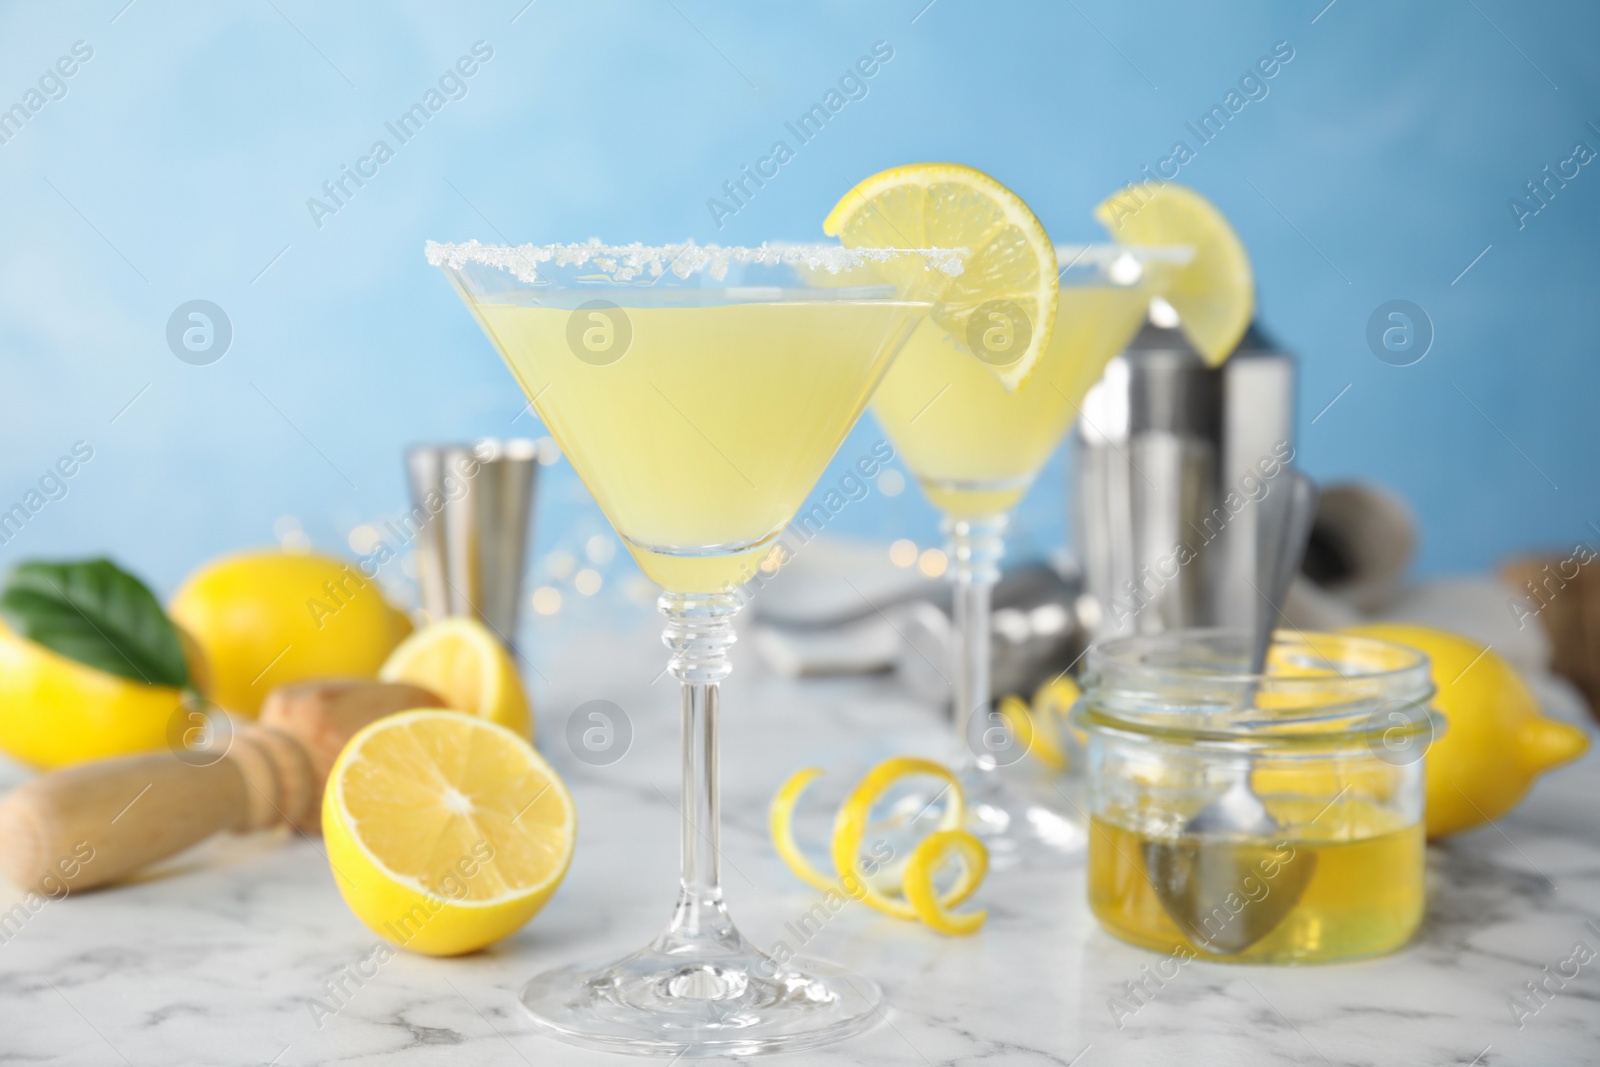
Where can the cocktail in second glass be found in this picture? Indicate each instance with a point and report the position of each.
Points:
(975, 446)
(988, 386)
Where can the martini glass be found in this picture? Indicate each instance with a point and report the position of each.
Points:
(975, 448)
(699, 392)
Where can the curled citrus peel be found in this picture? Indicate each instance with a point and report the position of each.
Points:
(919, 898)
(1051, 703)
(932, 908)
(1022, 721)
(780, 820)
(1038, 728)
(850, 824)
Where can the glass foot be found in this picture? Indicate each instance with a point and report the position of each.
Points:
(1017, 831)
(657, 1002)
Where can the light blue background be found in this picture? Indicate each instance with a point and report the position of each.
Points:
(179, 164)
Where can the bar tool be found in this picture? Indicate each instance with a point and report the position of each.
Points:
(1171, 457)
(1221, 843)
(472, 510)
(130, 812)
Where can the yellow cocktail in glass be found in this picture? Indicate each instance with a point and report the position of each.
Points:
(975, 446)
(701, 441)
(699, 393)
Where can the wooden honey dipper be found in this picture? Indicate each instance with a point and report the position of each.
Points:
(129, 812)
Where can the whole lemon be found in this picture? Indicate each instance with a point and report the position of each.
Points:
(268, 618)
(55, 711)
(1496, 741)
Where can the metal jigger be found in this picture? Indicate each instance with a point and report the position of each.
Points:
(472, 509)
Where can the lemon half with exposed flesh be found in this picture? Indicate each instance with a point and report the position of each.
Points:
(463, 662)
(445, 832)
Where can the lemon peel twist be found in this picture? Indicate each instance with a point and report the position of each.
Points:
(920, 899)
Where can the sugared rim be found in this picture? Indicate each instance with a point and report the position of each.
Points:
(1103, 255)
(1123, 265)
(626, 262)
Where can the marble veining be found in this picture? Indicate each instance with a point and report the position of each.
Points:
(242, 953)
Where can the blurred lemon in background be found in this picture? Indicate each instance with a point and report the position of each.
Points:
(268, 618)
(1496, 742)
(55, 711)
(463, 662)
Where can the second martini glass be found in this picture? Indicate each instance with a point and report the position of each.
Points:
(699, 392)
(975, 447)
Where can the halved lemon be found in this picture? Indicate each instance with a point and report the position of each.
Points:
(463, 662)
(1002, 307)
(445, 832)
(1215, 293)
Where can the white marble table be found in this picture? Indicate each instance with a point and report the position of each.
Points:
(220, 960)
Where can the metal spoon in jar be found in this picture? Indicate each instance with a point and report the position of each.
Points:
(1209, 877)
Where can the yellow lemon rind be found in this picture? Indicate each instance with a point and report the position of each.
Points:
(961, 297)
(780, 822)
(502, 697)
(925, 900)
(1214, 294)
(850, 825)
(384, 901)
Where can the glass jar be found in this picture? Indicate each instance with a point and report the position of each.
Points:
(1271, 818)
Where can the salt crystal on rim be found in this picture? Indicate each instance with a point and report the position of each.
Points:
(626, 262)
(1103, 255)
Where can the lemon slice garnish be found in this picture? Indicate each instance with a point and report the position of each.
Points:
(1002, 307)
(461, 661)
(1214, 294)
(919, 898)
(445, 832)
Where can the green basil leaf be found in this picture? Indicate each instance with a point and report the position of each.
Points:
(96, 613)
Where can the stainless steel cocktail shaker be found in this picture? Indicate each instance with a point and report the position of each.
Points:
(1171, 459)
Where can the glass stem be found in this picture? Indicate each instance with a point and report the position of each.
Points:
(699, 632)
(976, 546)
